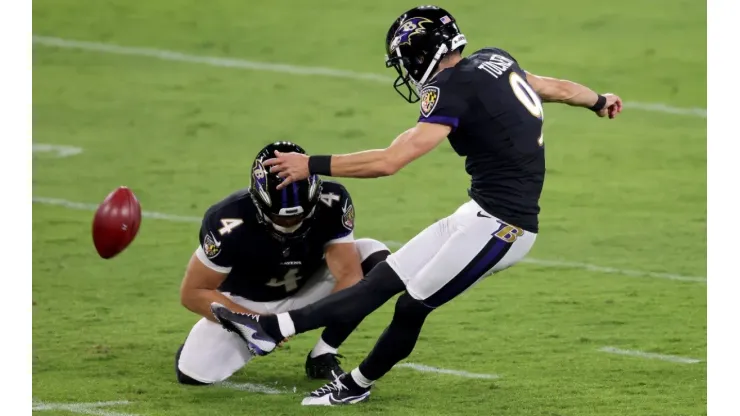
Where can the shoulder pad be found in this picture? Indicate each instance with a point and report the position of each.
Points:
(337, 203)
(332, 190)
(229, 218)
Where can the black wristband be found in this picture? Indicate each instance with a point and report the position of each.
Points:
(319, 165)
(600, 103)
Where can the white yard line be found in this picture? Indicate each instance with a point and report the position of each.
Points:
(285, 68)
(394, 244)
(613, 270)
(428, 369)
(665, 108)
(594, 268)
(83, 408)
(81, 206)
(60, 150)
(251, 387)
(205, 60)
(650, 355)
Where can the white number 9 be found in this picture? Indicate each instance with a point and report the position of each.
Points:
(526, 95)
(529, 99)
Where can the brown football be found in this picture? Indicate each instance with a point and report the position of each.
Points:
(116, 222)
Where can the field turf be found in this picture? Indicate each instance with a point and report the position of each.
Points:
(619, 260)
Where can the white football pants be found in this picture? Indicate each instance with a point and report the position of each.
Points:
(212, 354)
(456, 252)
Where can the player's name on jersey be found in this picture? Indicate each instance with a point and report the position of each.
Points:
(496, 65)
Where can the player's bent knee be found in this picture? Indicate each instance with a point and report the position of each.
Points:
(410, 311)
(383, 279)
(371, 253)
(183, 378)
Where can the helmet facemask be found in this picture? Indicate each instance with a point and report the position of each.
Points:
(403, 80)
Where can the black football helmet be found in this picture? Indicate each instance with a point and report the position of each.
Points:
(286, 212)
(416, 42)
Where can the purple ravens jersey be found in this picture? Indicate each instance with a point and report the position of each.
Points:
(261, 267)
(496, 120)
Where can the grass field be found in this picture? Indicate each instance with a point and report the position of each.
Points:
(620, 260)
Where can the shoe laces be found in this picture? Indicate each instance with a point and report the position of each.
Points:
(335, 385)
(251, 315)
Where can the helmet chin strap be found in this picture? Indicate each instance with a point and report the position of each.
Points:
(455, 43)
(437, 56)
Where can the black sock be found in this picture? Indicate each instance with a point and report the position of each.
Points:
(398, 339)
(346, 308)
(335, 334)
(270, 324)
(350, 305)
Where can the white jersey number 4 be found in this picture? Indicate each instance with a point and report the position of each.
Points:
(329, 198)
(290, 281)
(229, 224)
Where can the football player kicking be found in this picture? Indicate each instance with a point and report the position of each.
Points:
(265, 250)
(490, 109)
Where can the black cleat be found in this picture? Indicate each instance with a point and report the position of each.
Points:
(246, 326)
(343, 390)
(323, 367)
